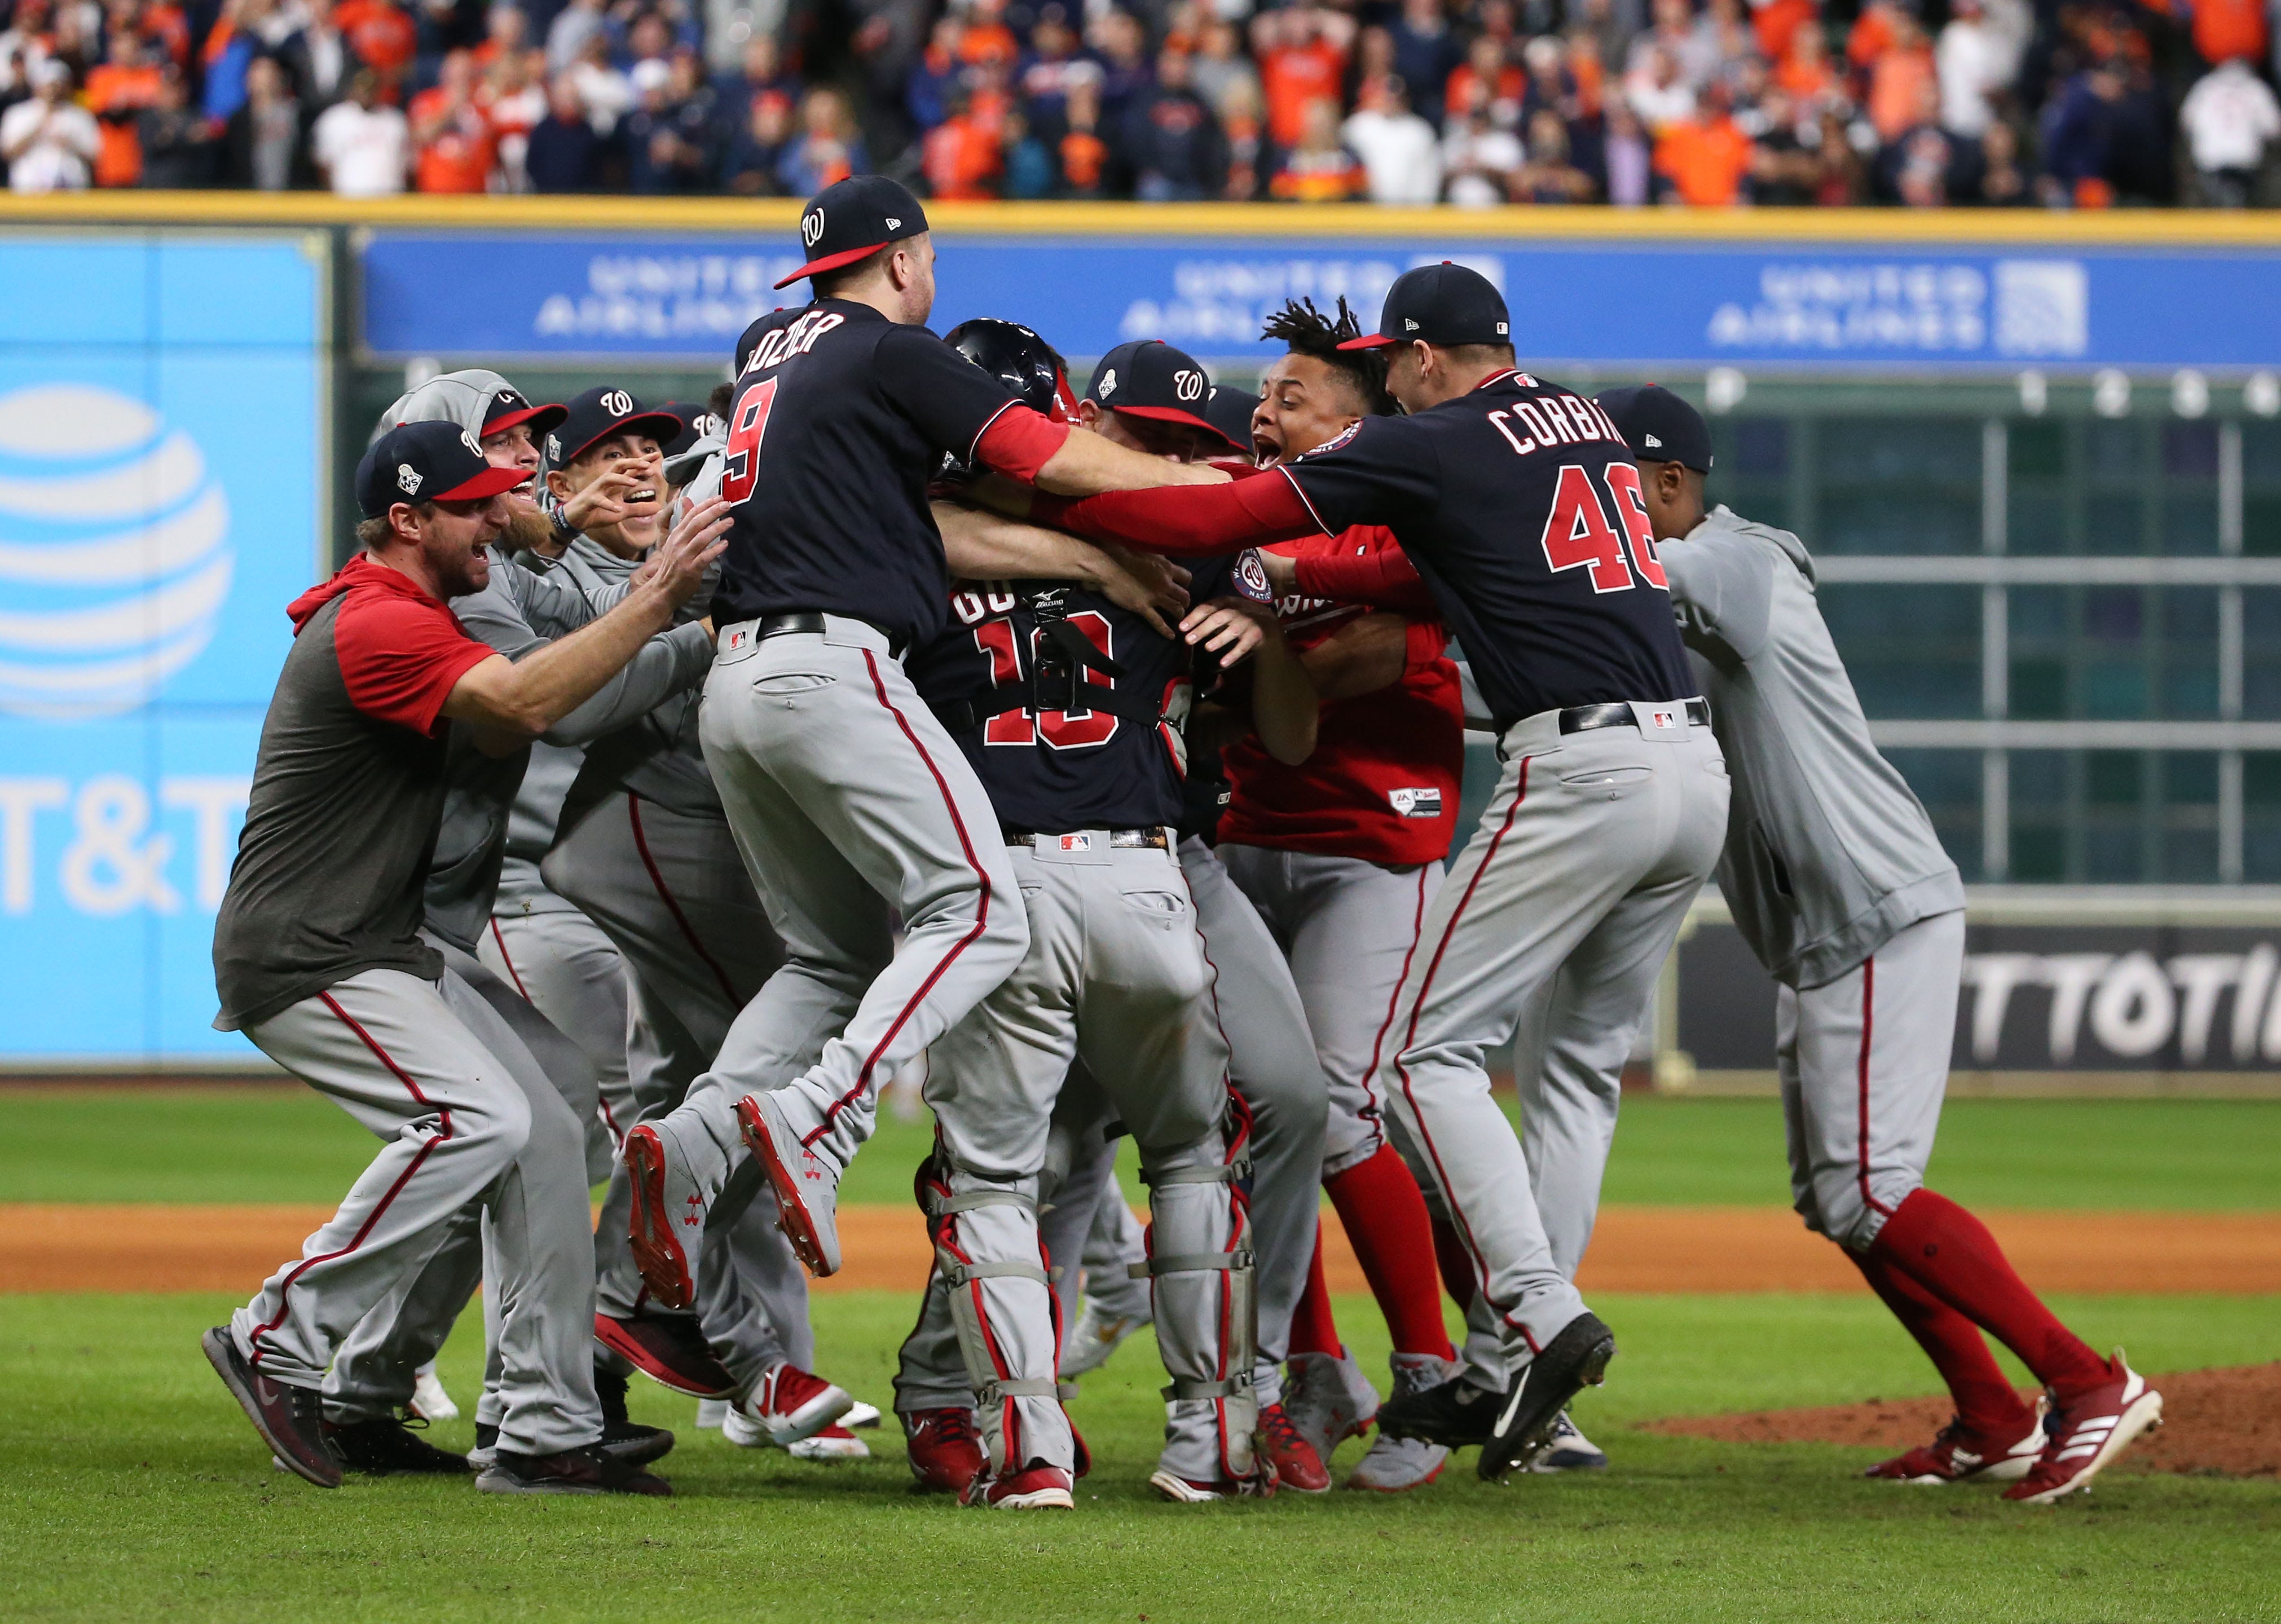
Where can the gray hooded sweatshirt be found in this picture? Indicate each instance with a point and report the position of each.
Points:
(1829, 851)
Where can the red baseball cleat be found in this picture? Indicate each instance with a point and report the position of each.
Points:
(669, 1350)
(944, 1450)
(1297, 1465)
(789, 1404)
(2089, 1431)
(1959, 1455)
(1039, 1488)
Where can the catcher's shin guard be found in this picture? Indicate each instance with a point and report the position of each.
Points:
(992, 1270)
(1200, 1260)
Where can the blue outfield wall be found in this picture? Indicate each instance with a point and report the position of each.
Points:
(161, 471)
(686, 297)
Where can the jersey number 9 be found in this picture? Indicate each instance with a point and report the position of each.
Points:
(748, 420)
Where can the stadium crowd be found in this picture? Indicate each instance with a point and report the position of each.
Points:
(1916, 103)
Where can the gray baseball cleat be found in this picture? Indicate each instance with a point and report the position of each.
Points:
(1328, 1399)
(1095, 1337)
(1567, 1450)
(1394, 1466)
(807, 1185)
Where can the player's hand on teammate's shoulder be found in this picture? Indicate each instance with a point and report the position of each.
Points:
(677, 567)
(1148, 584)
(1232, 627)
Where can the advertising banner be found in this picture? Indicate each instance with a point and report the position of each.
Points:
(684, 298)
(161, 465)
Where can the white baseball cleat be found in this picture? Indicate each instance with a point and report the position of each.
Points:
(713, 1413)
(1568, 1450)
(1095, 1337)
(429, 1401)
(860, 1415)
(834, 1443)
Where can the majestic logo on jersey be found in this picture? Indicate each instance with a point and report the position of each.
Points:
(617, 403)
(1109, 384)
(1188, 385)
(811, 226)
(1415, 803)
(407, 479)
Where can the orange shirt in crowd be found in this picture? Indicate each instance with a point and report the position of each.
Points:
(1318, 177)
(961, 158)
(1704, 162)
(1084, 155)
(1293, 75)
(1871, 37)
(1897, 85)
(2227, 29)
(988, 42)
(1804, 80)
(381, 35)
(124, 90)
(1511, 85)
(166, 27)
(458, 158)
(1777, 23)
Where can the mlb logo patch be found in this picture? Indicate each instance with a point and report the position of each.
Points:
(1415, 803)
(1665, 719)
(737, 639)
(1075, 843)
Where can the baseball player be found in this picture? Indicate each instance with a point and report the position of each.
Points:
(374, 1373)
(318, 961)
(1067, 705)
(1838, 881)
(844, 793)
(643, 850)
(1509, 494)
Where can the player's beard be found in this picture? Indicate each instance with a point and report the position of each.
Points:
(526, 528)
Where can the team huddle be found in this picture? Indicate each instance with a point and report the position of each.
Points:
(654, 788)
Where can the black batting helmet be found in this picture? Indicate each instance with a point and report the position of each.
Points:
(1019, 358)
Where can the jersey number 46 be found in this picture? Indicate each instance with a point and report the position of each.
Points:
(1577, 536)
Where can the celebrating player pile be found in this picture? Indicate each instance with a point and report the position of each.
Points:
(982, 779)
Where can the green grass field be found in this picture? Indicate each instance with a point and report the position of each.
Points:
(134, 1488)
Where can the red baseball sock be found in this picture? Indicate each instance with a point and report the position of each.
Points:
(1385, 1219)
(1313, 1327)
(1984, 1399)
(1458, 1277)
(1949, 1252)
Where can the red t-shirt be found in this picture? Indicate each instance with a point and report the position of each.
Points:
(400, 650)
(1382, 782)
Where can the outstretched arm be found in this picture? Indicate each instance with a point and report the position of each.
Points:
(983, 546)
(1197, 522)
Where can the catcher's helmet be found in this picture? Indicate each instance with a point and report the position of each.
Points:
(1017, 358)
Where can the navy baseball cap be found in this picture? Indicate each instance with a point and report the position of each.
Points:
(428, 462)
(697, 421)
(1229, 410)
(1148, 378)
(601, 413)
(1443, 303)
(852, 218)
(1658, 426)
(508, 407)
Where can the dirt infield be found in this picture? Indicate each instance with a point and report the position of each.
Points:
(56, 1247)
(2226, 1422)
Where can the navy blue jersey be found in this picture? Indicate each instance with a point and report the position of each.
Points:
(841, 418)
(1521, 506)
(1116, 762)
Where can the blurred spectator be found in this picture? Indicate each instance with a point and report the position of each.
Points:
(116, 94)
(574, 25)
(514, 102)
(962, 156)
(1173, 139)
(507, 33)
(1243, 125)
(1975, 64)
(565, 151)
(1220, 66)
(1303, 59)
(1426, 51)
(2225, 30)
(1372, 70)
(1899, 75)
(1785, 170)
(669, 135)
(24, 45)
(261, 145)
(50, 141)
(1487, 81)
(2003, 182)
(1721, 41)
(1399, 154)
(1705, 157)
(1657, 91)
(178, 152)
(1122, 46)
(362, 146)
(1055, 61)
(1805, 73)
(2230, 119)
(312, 51)
(452, 139)
(1630, 159)
(1082, 155)
(1029, 167)
(757, 149)
(1672, 35)
(606, 93)
(827, 148)
(379, 34)
(1549, 175)
(230, 50)
(1480, 158)
(1927, 167)
(1318, 168)
(760, 72)
(1778, 22)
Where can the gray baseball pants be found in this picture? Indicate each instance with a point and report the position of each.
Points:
(847, 796)
(1114, 974)
(466, 1116)
(1577, 881)
(669, 890)
(1273, 1064)
(573, 974)
(1864, 1067)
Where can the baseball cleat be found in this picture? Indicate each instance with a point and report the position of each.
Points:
(624, 1438)
(1395, 1466)
(786, 1405)
(587, 1470)
(2087, 1432)
(429, 1401)
(1575, 1359)
(665, 1210)
(944, 1450)
(291, 1419)
(807, 1185)
(1095, 1337)
(1297, 1465)
(669, 1350)
(1190, 1491)
(1037, 1488)
(712, 1414)
(1959, 1455)
(486, 1449)
(1328, 1399)
(385, 1445)
(860, 1415)
(1454, 1414)
(1567, 1450)
(832, 1443)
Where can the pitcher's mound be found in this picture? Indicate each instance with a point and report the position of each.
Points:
(2215, 1422)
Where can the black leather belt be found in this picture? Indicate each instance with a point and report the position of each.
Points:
(1585, 718)
(1120, 839)
(810, 621)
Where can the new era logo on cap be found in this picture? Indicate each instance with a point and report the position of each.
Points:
(894, 224)
(1650, 440)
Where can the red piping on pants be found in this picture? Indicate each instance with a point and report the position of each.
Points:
(689, 933)
(1861, 1132)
